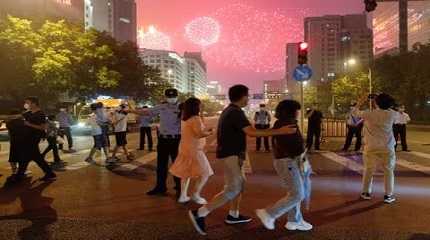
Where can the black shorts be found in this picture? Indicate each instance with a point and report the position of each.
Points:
(100, 141)
(121, 138)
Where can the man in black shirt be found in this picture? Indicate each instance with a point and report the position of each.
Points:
(314, 128)
(233, 127)
(35, 123)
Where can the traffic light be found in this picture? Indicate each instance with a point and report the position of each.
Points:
(370, 5)
(303, 53)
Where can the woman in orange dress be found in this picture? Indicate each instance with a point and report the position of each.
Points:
(192, 162)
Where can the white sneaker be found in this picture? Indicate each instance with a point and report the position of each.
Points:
(267, 221)
(302, 226)
(183, 199)
(198, 199)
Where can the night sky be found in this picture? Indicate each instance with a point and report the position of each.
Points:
(242, 41)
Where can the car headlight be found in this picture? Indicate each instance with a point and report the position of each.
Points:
(81, 125)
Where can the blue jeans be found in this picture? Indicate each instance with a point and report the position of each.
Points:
(289, 172)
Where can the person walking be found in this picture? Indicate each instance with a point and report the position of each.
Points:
(52, 132)
(18, 134)
(192, 162)
(103, 121)
(100, 141)
(399, 128)
(119, 121)
(65, 120)
(288, 152)
(145, 131)
(168, 138)
(233, 127)
(35, 122)
(315, 118)
(378, 144)
(262, 120)
(355, 127)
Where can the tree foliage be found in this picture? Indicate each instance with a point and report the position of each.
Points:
(350, 87)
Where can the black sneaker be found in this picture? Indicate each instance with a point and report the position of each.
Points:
(241, 219)
(156, 191)
(198, 222)
(49, 177)
(365, 196)
(389, 199)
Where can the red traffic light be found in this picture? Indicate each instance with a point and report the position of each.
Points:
(304, 46)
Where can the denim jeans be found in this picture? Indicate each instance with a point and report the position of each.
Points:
(289, 171)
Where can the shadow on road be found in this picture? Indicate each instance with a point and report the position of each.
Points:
(35, 208)
(420, 236)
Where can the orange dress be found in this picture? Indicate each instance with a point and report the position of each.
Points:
(191, 161)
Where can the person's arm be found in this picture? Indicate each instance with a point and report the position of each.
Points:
(198, 130)
(408, 118)
(253, 132)
(269, 117)
(309, 114)
(41, 127)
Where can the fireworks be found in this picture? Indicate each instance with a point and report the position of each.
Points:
(203, 31)
(153, 39)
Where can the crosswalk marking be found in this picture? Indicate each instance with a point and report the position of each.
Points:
(414, 166)
(77, 166)
(343, 161)
(420, 154)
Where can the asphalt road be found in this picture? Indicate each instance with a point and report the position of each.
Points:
(98, 202)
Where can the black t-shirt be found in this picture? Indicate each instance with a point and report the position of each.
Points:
(287, 146)
(37, 118)
(316, 118)
(231, 137)
(18, 133)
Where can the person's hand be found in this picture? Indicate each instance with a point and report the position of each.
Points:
(289, 129)
(26, 123)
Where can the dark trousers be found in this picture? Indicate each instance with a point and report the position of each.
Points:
(52, 141)
(266, 139)
(68, 133)
(33, 153)
(353, 131)
(105, 132)
(314, 132)
(145, 132)
(166, 148)
(400, 131)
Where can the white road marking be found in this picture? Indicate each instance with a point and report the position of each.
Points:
(348, 163)
(414, 166)
(420, 154)
(77, 166)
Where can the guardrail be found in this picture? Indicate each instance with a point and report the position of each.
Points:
(334, 128)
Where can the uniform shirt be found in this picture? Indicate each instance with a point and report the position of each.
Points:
(352, 120)
(121, 119)
(287, 146)
(262, 117)
(145, 121)
(378, 129)
(170, 121)
(95, 127)
(36, 118)
(230, 136)
(402, 118)
(64, 119)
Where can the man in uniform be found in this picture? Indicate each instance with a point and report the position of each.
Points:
(262, 121)
(168, 138)
(315, 118)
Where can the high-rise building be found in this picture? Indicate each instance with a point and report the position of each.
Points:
(40, 10)
(214, 88)
(117, 17)
(196, 74)
(335, 40)
(385, 21)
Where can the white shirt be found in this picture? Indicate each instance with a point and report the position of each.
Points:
(95, 128)
(378, 129)
(121, 122)
(402, 118)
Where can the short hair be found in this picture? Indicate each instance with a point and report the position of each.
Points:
(145, 106)
(190, 108)
(262, 105)
(34, 100)
(287, 109)
(237, 92)
(384, 101)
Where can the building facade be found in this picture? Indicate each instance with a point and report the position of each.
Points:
(196, 74)
(214, 88)
(385, 21)
(41, 10)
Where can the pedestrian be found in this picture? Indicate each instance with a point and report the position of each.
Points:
(145, 131)
(168, 138)
(262, 120)
(288, 152)
(18, 134)
(52, 133)
(103, 121)
(35, 122)
(399, 128)
(355, 127)
(233, 127)
(192, 162)
(100, 140)
(65, 120)
(119, 121)
(378, 143)
(315, 118)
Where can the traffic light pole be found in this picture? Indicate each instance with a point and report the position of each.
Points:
(302, 102)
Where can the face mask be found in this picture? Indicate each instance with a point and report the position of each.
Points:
(26, 106)
(172, 100)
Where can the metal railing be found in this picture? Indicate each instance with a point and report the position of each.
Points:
(333, 128)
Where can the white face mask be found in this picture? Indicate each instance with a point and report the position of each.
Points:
(172, 100)
(62, 109)
(26, 106)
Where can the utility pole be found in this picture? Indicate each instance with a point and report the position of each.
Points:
(403, 26)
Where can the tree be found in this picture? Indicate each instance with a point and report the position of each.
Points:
(309, 95)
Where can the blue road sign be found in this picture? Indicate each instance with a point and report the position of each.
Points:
(302, 73)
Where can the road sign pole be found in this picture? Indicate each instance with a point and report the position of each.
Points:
(302, 102)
